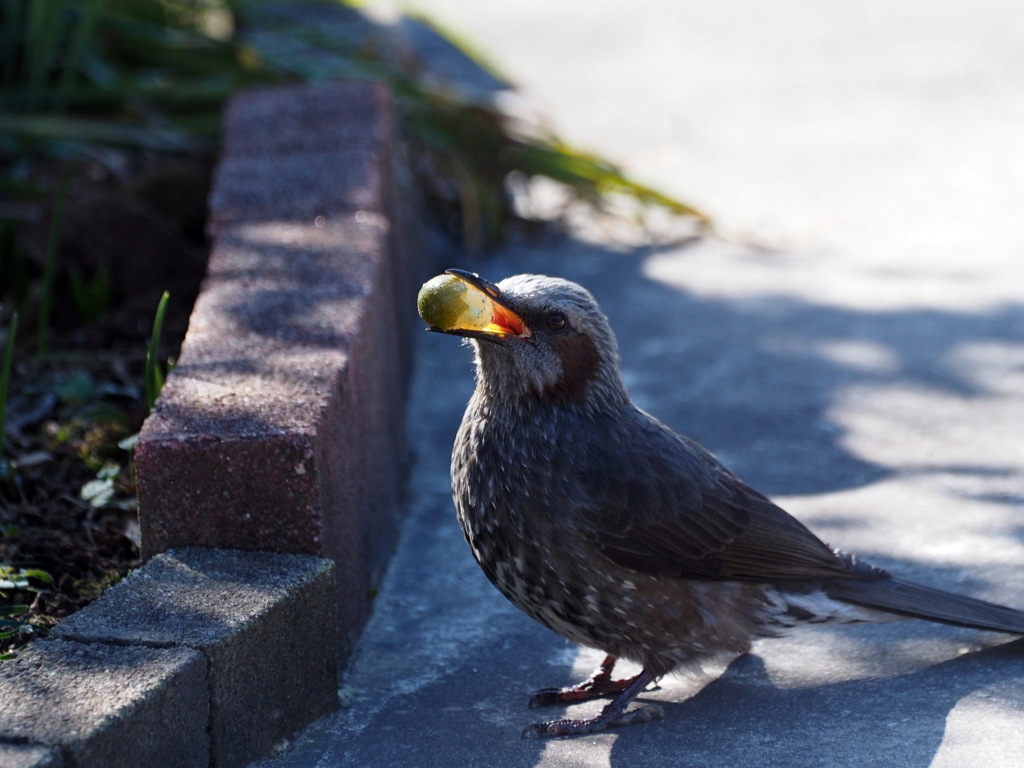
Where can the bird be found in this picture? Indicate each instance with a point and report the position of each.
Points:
(610, 529)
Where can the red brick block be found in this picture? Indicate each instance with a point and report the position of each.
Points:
(282, 427)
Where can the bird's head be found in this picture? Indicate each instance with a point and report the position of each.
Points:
(534, 336)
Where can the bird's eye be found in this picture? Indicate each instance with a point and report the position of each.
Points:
(555, 321)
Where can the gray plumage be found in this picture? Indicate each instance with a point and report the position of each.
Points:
(615, 532)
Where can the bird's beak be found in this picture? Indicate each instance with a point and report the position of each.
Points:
(480, 312)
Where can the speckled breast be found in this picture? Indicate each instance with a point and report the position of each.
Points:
(524, 531)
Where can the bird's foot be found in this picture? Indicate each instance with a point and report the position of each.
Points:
(585, 691)
(596, 686)
(613, 715)
(643, 714)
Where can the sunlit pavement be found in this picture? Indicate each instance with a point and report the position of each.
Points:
(853, 345)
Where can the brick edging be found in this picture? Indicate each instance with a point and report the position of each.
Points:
(282, 427)
(270, 472)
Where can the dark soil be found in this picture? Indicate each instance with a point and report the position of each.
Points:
(67, 493)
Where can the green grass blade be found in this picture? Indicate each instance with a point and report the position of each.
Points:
(180, 51)
(44, 26)
(592, 177)
(46, 128)
(14, 28)
(80, 39)
(36, 573)
(463, 44)
(153, 374)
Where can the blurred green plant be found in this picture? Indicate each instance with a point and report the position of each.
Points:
(22, 579)
(13, 584)
(464, 142)
(479, 149)
(154, 373)
(50, 265)
(93, 298)
(79, 75)
(100, 491)
(5, 382)
(14, 267)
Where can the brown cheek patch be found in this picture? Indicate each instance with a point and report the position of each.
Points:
(580, 363)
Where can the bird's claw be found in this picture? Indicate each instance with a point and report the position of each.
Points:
(545, 697)
(598, 685)
(585, 691)
(643, 714)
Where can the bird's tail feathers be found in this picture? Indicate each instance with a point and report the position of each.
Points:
(920, 602)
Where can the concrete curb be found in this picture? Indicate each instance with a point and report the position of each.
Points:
(265, 623)
(278, 439)
(103, 705)
(201, 657)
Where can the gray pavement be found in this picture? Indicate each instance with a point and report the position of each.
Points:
(446, 666)
(867, 371)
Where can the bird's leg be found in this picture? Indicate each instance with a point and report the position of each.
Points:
(599, 684)
(614, 715)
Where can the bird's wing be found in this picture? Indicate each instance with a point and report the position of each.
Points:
(666, 506)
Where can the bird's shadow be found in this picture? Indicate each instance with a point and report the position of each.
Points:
(742, 718)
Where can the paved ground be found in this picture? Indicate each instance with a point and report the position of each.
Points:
(867, 371)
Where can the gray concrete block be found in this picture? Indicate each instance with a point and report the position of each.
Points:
(29, 756)
(106, 706)
(265, 622)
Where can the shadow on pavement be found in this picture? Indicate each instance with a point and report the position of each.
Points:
(754, 380)
(743, 719)
(446, 665)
